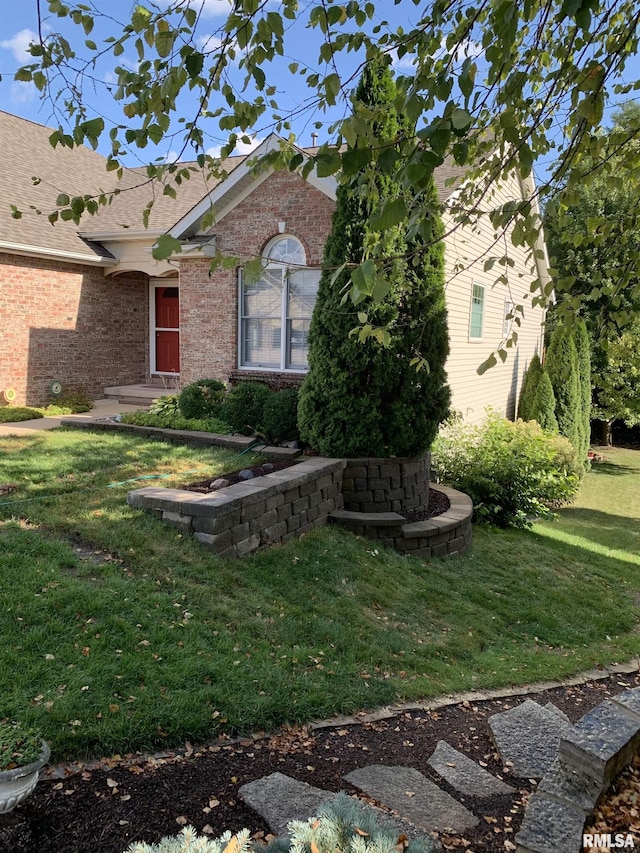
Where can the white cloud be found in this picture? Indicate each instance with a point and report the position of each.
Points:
(19, 44)
(210, 8)
(404, 63)
(467, 49)
(241, 147)
(208, 43)
(23, 93)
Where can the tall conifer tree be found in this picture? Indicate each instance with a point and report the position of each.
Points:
(361, 398)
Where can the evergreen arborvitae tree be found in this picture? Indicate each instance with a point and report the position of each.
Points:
(361, 398)
(583, 347)
(561, 363)
(529, 388)
(543, 409)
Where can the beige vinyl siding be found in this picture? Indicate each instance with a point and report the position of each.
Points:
(499, 387)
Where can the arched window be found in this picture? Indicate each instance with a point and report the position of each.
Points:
(281, 299)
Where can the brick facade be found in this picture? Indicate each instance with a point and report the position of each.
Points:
(209, 305)
(70, 322)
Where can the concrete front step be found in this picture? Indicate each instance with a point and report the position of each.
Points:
(135, 395)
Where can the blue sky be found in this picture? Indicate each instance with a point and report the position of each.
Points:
(19, 24)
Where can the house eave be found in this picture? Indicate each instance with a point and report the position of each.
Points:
(57, 254)
(123, 235)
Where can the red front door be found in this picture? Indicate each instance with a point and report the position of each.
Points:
(167, 329)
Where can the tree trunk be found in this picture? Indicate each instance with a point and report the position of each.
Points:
(606, 432)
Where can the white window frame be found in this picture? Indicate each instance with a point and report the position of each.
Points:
(284, 304)
(482, 287)
(507, 324)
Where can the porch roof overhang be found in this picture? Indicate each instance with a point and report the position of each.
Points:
(96, 260)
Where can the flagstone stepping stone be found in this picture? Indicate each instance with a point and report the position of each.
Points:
(550, 826)
(415, 798)
(528, 737)
(465, 775)
(278, 799)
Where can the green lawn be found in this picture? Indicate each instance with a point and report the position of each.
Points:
(145, 638)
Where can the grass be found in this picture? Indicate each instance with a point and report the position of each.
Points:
(142, 637)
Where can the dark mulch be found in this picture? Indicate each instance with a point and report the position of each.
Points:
(103, 807)
(204, 486)
(438, 503)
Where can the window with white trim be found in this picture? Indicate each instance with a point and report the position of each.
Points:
(275, 311)
(476, 321)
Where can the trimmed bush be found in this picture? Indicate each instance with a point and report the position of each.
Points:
(360, 397)
(202, 399)
(513, 472)
(171, 421)
(543, 409)
(243, 408)
(71, 403)
(529, 388)
(561, 363)
(13, 414)
(280, 416)
(583, 347)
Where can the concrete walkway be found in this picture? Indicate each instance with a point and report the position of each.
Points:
(101, 409)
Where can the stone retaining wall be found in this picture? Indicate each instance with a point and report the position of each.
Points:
(386, 485)
(442, 536)
(238, 519)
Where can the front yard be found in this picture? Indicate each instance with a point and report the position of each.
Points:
(118, 633)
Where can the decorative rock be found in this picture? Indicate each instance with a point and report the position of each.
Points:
(220, 483)
(246, 474)
(279, 799)
(528, 738)
(413, 797)
(267, 468)
(465, 775)
(550, 827)
(294, 445)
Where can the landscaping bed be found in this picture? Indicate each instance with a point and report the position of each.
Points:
(102, 807)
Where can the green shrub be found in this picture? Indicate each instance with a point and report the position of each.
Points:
(202, 399)
(168, 405)
(243, 408)
(561, 363)
(543, 409)
(71, 403)
(18, 746)
(280, 416)
(529, 388)
(169, 421)
(342, 826)
(13, 414)
(513, 472)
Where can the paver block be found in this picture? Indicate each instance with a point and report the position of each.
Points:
(465, 775)
(550, 826)
(602, 742)
(279, 799)
(630, 700)
(555, 710)
(566, 783)
(528, 738)
(413, 797)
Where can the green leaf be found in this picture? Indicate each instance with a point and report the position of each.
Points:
(328, 162)
(487, 364)
(165, 247)
(460, 119)
(393, 212)
(62, 200)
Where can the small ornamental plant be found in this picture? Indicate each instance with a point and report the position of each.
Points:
(19, 746)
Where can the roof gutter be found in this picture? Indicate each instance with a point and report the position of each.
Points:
(58, 254)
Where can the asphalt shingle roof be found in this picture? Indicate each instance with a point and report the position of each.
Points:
(79, 171)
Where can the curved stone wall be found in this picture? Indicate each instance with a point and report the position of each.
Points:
(386, 485)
